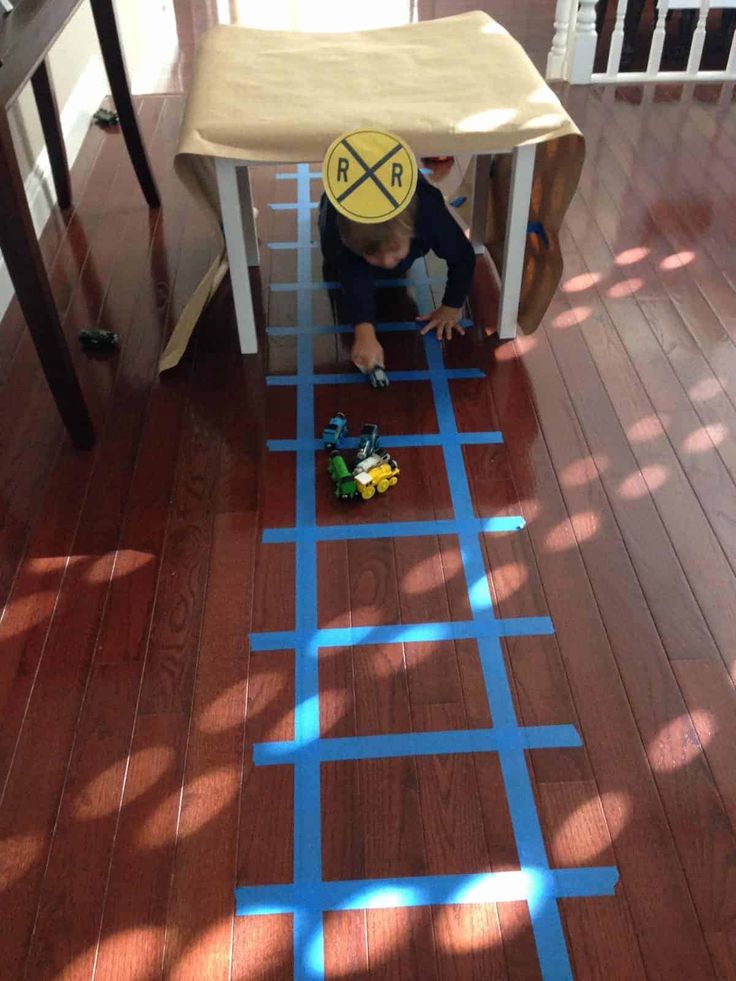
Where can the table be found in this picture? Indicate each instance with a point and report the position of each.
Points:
(26, 34)
(241, 240)
(281, 97)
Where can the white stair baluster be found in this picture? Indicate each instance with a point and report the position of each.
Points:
(559, 52)
(655, 52)
(585, 42)
(617, 39)
(731, 66)
(696, 46)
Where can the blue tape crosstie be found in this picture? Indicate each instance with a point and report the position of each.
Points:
(308, 896)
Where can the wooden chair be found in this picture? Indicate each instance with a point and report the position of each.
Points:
(27, 32)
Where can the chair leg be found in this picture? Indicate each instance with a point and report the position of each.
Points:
(48, 112)
(25, 264)
(106, 26)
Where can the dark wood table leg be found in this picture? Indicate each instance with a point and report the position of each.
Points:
(25, 264)
(107, 32)
(48, 112)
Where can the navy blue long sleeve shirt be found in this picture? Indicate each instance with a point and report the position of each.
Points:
(434, 230)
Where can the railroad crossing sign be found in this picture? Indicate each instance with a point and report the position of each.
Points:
(369, 175)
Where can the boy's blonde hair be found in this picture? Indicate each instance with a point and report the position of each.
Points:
(366, 239)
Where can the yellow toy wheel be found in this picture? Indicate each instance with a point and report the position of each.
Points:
(367, 492)
(383, 485)
(393, 482)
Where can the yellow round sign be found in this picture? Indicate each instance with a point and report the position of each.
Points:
(369, 175)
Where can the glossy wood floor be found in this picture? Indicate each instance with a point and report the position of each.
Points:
(132, 575)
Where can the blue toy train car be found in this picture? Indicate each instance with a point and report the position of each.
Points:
(334, 431)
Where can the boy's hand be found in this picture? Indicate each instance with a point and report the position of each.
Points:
(443, 320)
(366, 353)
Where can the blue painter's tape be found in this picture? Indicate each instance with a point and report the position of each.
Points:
(430, 890)
(420, 439)
(289, 246)
(388, 327)
(292, 206)
(308, 896)
(545, 916)
(404, 633)
(332, 285)
(398, 529)
(419, 744)
(355, 379)
(307, 853)
(291, 175)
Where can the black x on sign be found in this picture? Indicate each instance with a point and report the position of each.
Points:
(369, 175)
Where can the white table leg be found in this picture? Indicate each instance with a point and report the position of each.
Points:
(248, 215)
(522, 172)
(481, 184)
(236, 241)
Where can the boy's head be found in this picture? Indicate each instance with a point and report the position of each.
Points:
(383, 244)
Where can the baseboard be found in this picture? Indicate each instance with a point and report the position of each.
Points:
(76, 116)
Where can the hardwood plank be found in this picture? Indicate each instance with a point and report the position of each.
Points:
(644, 850)
(684, 780)
(70, 917)
(400, 942)
(51, 242)
(37, 429)
(346, 951)
(679, 620)
(199, 918)
(167, 685)
(676, 420)
(28, 612)
(669, 340)
(602, 938)
(262, 946)
(710, 701)
(705, 327)
(62, 680)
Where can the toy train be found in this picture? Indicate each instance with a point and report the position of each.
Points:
(374, 474)
(372, 471)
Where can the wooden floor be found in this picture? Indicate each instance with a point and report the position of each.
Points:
(132, 575)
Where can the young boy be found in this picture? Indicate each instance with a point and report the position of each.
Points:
(359, 254)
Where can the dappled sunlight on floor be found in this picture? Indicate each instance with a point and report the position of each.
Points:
(630, 256)
(643, 482)
(580, 527)
(683, 739)
(706, 438)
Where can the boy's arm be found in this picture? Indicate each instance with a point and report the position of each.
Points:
(355, 275)
(450, 244)
(447, 240)
(356, 280)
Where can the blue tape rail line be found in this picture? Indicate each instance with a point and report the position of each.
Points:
(386, 328)
(355, 379)
(418, 439)
(399, 529)
(333, 285)
(430, 890)
(308, 896)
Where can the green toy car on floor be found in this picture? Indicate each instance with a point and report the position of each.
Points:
(345, 487)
